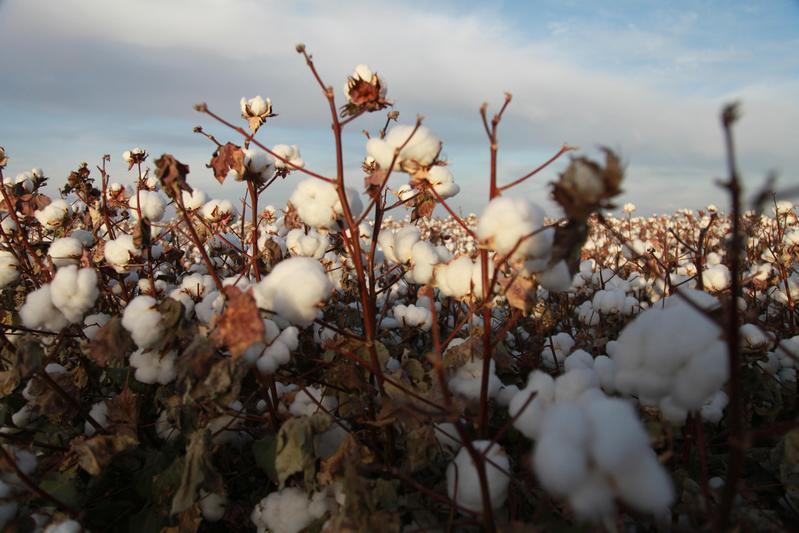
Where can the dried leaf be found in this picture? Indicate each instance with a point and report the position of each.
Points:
(94, 453)
(240, 325)
(295, 449)
(30, 355)
(172, 175)
(519, 292)
(198, 471)
(226, 158)
(111, 345)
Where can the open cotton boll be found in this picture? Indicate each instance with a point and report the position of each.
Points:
(142, 319)
(212, 505)
(556, 278)
(311, 244)
(118, 252)
(754, 338)
(318, 204)
(65, 251)
(193, 200)
(541, 387)
(150, 203)
(99, 412)
(9, 271)
(38, 311)
(93, 323)
(294, 290)
(713, 409)
(556, 348)
(716, 278)
(413, 317)
(307, 402)
(224, 428)
(197, 285)
(508, 222)
(463, 482)
(397, 245)
(74, 291)
(420, 150)
(672, 355)
(218, 210)
(443, 181)
(290, 152)
(276, 348)
(289, 510)
(53, 214)
(154, 367)
(67, 526)
(467, 380)
(424, 258)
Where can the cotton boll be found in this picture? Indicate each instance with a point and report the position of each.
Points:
(288, 511)
(579, 359)
(294, 289)
(74, 291)
(9, 271)
(645, 485)
(443, 181)
(508, 223)
(290, 153)
(308, 401)
(38, 311)
(218, 210)
(67, 526)
(413, 316)
(753, 338)
(193, 200)
(556, 349)
(52, 215)
(463, 484)
(713, 409)
(318, 204)
(311, 244)
(212, 505)
(528, 421)
(420, 150)
(572, 384)
(557, 278)
(142, 319)
(153, 367)
(605, 369)
(593, 497)
(99, 412)
(716, 278)
(150, 203)
(119, 252)
(617, 433)
(65, 251)
(467, 380)
(561, 463)
(423, 260)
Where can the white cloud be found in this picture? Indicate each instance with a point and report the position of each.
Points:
(438, 62)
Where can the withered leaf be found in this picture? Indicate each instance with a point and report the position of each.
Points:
(171, 313)
(123, 412)
(27, 204)
(142, 234)
(111, 345)
(94, 453)
(519, 292)
(240, 325)
(9, 381)
(373, 183)
(424, 207)
(226, 158)
(30, 355)
(295, 450)
(172, 175)
(195, 469)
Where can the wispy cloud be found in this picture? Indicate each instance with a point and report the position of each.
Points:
(91, 76)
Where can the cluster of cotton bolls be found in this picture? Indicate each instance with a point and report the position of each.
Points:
(64, 301)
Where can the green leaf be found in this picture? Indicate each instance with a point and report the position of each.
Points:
(63, 485)
(265, 452)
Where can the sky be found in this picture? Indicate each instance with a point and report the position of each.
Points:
(82, 78)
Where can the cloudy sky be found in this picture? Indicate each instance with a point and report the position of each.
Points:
(86, 77)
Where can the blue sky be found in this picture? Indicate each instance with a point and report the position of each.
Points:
(88, 77)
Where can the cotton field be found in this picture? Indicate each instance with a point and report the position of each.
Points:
(349, 362)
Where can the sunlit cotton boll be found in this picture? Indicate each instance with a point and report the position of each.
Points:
(142, 319)
(150, 203)
(53, 214)
(421, 150)
(294, 290)
(508, 224)
(9, 271)
(118, 252)
(74, 291)
(443, 181)
(291, 153)
(311, 244)
(318, 203)
(463, 482)
(38, 311)
(65, 251)
(193, 200)
(414, 317)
